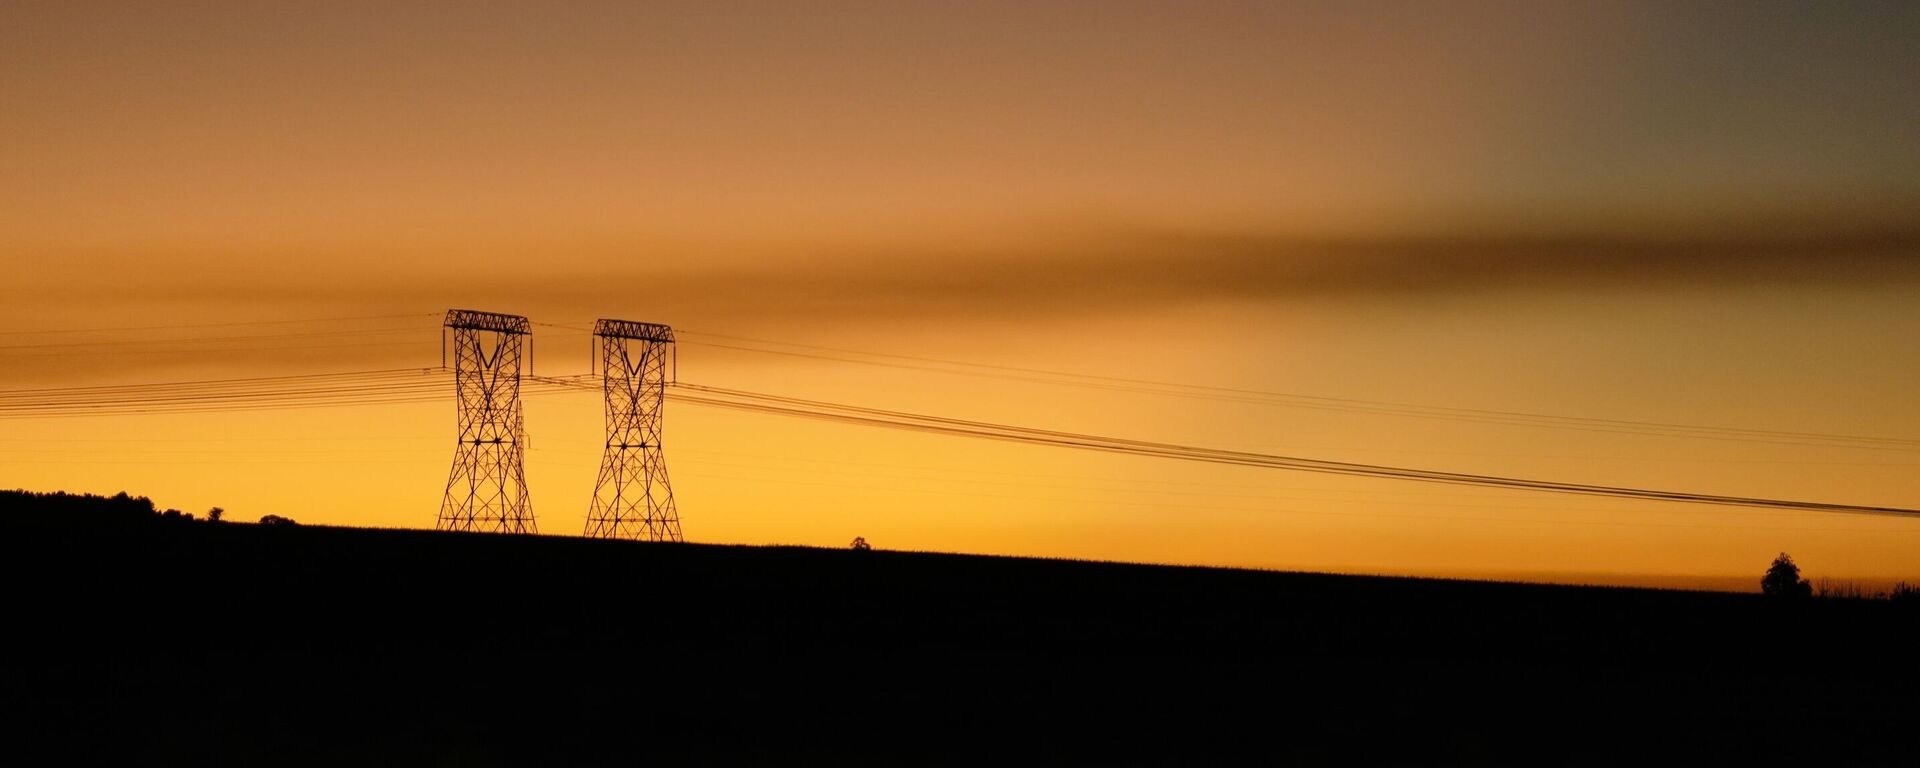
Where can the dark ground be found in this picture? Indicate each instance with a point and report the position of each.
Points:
(193, 642)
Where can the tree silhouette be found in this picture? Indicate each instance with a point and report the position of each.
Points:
(1783, 579)
(860, 543)
(213, 515)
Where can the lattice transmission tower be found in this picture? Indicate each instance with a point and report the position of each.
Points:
(632, 499)
(487, 490)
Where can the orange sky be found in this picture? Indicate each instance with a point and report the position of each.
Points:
(1634, 211)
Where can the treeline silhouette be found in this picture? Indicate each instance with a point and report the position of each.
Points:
(191, 642)
(24, 510)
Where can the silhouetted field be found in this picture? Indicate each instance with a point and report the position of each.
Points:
(191, 642)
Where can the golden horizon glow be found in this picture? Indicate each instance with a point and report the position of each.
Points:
(1632, 212)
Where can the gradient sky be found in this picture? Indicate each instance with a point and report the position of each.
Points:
(1701, 213)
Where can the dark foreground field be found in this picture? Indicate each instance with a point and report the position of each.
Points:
(190, 642)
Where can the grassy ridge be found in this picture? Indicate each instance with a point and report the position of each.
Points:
(190, 641)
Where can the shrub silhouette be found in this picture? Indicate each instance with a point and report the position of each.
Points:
(277, 520)
(1783, 579)
(213, 515)
(1845, 590)
(860, 544)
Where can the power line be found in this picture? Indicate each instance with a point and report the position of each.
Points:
(213, 339)
(220, 382)
(213, 351)
(349, 388)
(815, 409)
(422, 385)
(1043, 376)
(216, 325)
(1318, 402)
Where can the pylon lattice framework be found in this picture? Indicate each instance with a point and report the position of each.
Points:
(632, 499)
(487, 489)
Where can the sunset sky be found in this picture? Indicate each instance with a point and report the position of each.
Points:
(1700, 214)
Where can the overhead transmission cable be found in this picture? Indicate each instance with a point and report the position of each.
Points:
(211, 339)
(223, 344)
(233, 324)
(821, 410)
(1313, 402)
(422, 385)
(375, 387)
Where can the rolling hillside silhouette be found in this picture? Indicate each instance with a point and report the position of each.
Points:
(186, 641)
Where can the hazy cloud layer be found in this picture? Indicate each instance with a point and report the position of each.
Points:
(1167, 270)
(1106, 276)
(1111, 273)
(1174, 269)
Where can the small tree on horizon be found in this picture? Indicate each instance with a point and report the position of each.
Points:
(213, 515)
(1783, 579)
